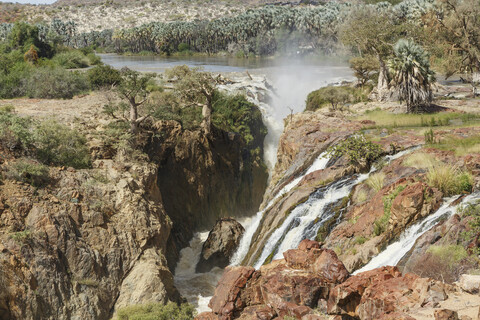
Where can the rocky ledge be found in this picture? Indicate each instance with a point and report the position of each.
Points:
(312, 283)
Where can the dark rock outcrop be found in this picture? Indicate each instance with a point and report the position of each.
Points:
(220, 245)
(203, 178)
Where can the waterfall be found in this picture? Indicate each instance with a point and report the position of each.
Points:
(397, 250)
(306, 219)
(319, 164)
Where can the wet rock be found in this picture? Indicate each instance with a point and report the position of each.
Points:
(220, 245)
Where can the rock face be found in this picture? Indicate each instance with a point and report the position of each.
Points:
(311, 278)
(203, 178)
(86, 248)
(220, 245)
(291, 286)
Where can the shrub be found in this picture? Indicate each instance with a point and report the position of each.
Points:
(358, 150)
(28, 171)
(449, 180)
(59, 145)
(333, 96)
(364, 68)
(101, 76)
(71, 59)
(157, 311)
(380, 225)
(15, 131)
(54, 83)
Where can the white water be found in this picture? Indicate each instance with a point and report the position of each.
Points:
(197, 288)
(319, 164)
(397, 250)
(305, 220)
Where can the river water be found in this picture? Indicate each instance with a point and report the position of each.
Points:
(286, 82)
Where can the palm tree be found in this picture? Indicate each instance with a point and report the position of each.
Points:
(412, 77)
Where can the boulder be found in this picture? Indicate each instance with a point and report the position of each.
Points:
(469, 283)
(221, 244)
(445, 314)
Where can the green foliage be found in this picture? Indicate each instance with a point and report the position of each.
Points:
(364, 68)
(357, 149)
(72, 59)
(28, 171)
(376, 180)
(157, 311)
(21, 236)
(102, 76)
(59, 145)
(380, 225)
(334, 96)
(360, 240)
(449, 255)
(429, 136)
(449, 180)
(412, 77)
(15, 131)
(233, 113)
(54, 83)
(471, 210)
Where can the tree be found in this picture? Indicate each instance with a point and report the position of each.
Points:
(336, 96)
(453, 31)
(411, 75)
(195, 88)
(372, 32)
(364, 68)
(134, 89)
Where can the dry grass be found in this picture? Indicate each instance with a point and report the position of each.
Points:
(421, 160)
(449, 180)
(376, 181)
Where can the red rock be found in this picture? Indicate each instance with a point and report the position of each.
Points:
(226, 298)
(345, 297)
(307, 244)
(445, 314)
(330, 267)
(260, 312)
(206, 316)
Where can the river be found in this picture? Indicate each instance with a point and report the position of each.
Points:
(287, 82)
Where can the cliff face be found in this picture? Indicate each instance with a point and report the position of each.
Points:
(203, 178)
(73, 250)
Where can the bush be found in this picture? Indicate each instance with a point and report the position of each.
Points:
(15, 131)
(73, 59)
(101, 76)
(157, 311)
(54, 83)
(28, 171)
(449, 180)
(333, 96)
(364, 68)
(57, 144)
(358, 150)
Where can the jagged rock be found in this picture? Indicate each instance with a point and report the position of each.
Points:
(291, 286)
(226, 300)
(445, 314)
(220, 245)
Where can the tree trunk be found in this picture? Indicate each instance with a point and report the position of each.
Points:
(382, 86)
(133, 119)
(207, 119)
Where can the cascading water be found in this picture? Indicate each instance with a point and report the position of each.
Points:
(305, 220)
(397, 250)
(319, 164)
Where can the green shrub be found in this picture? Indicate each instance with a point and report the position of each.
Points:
(15, 131)
(157, 311)
(93, 59)
(73, 59)
(357, 149)
(54, 83)
(104, 75)
(334, 96)
(450, 255)
(28, 171)
(57, 144)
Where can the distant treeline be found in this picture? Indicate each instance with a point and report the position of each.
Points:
(263, 31)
